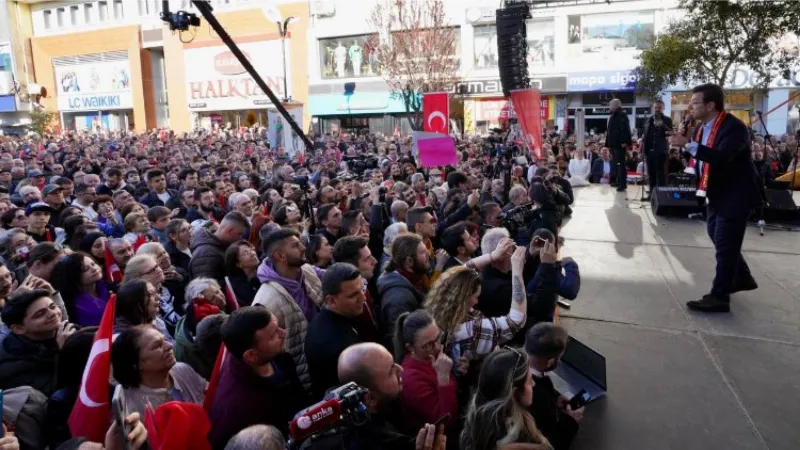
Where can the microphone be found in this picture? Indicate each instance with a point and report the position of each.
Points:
(315, 418)
(686, 121)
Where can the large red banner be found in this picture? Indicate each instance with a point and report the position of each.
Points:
(527, 107)
(436, 112)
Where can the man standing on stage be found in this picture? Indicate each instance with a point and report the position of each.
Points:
(618, 138)
(656, 147)
(729, 180)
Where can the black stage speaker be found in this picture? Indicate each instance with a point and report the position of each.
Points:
(675, 201)
(781, 206)
(512, 46)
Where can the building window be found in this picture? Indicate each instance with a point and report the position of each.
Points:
(117, 9)
(347, 57)
(88, 11)
(73, 15)
(60, 17)
(103, 10)
(485, 46)
(48, 19)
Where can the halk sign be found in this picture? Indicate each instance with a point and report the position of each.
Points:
(217, 81)
(100, 102)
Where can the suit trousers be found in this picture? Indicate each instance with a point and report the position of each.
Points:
(656, 169)
(620, 168)
(727, 235)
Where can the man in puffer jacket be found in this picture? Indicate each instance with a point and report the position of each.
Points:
(208, 249)
(292, 291)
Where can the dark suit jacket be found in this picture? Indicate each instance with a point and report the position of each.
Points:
(733, 186)
(597, 171)
(558, 427)
(618, 134)
(655, 138)
(151, 199)
(328, 335)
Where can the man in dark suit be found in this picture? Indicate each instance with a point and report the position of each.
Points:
(656, 147)
(545, 342)
(603, 168)
(722, 143)
(618, 138)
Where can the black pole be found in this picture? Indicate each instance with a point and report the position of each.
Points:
(205, 10)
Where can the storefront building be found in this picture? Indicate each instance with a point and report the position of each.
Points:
(209, 87)
(115, 65)
(485, 107)
(94, 91)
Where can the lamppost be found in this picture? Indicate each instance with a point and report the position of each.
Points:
(283, 28)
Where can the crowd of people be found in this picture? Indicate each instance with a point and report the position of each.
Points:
(434, 289)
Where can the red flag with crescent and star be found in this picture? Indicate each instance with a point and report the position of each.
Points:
(436, 112)
(91, 414)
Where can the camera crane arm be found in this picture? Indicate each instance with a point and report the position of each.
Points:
(205, 9)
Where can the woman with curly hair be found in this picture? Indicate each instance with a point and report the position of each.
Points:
(498, 413)
(469, 333)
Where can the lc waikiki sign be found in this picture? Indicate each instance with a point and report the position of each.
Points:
(216, 81)
(101, 86)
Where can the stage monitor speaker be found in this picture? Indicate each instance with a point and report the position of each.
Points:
(679, 201)
(781, 206)
(512, 46)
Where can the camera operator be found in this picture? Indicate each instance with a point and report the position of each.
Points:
(372, 366)
(546, 197)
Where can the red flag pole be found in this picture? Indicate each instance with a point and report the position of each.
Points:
(215, 374)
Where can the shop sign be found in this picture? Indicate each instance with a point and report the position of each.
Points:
(609, 80)
(94, 87)
(217, 81)
(89, 102)
(747, 79)
(493, 87)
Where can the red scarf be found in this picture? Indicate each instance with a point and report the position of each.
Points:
(702, 184)
(418, 281)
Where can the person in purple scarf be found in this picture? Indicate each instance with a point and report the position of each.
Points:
(80, 281)
(291, 289)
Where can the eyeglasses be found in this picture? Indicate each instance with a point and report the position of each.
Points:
(519, 354)
(428, 346)
(155, 269)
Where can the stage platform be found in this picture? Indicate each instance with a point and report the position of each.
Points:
(679, 379)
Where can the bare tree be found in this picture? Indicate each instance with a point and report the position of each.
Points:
(416, 49)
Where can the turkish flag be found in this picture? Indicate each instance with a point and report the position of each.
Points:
(436, 112)
(527, 106)
(113, 273)
(91, 414)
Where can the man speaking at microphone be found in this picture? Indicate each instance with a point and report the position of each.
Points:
(728, 177)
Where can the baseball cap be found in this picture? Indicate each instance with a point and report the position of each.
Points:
(50, 188)
(35, 173)
(38, 206)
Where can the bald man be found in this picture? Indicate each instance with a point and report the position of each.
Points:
(370, 365)
(618, 138)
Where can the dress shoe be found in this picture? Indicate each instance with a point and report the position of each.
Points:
(709, 303)
(747, 285)
(621, 189)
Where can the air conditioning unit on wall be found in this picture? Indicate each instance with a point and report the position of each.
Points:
(323, 8)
